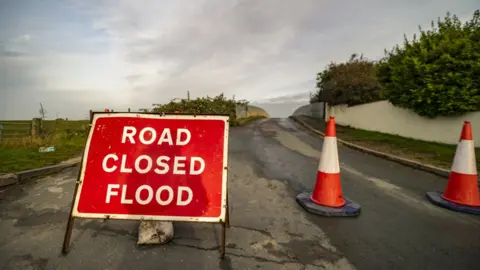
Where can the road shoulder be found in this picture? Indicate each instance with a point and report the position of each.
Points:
(408, 162)
(20, 177)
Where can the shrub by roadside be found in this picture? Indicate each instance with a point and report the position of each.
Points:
(353, 82)
(436, 154)
(205, 105)
(435, 73)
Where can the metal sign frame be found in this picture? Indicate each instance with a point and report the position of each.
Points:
(224, 215)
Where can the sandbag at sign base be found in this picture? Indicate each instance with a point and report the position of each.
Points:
(155, 232)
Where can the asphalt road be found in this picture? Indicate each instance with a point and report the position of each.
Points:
(270, 162)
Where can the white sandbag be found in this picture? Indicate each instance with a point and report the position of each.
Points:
(155, 232)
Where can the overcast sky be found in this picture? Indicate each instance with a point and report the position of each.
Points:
(77, 55)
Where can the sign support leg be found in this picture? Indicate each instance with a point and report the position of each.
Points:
(68, 235)
(227, 214)
(69, 229)
(224, 234)
(225, 225)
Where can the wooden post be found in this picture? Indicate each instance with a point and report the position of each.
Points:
(33, 129)
(36, 127)
(91, 114)
(128, 109)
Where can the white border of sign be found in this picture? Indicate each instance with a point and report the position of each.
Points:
(220, 218)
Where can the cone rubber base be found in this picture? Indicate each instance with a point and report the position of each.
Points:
(350, 209)
(435, 197)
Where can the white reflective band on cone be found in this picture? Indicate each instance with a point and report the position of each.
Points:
(329, 158)
(464, 161)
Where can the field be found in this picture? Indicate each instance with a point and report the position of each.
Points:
(20, 151)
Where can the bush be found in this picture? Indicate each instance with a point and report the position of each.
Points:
(352, 83)
(208, 105)
(438, 74)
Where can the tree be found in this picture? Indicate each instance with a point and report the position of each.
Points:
(437, 74)
(42, 112)
(353, 82)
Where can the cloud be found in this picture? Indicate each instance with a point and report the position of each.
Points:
(24, 38)
(283, 106)
(7, 53)
(301, 98)
(121, 53)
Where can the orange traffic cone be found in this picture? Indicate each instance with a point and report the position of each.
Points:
(326, 198)
(462, 193)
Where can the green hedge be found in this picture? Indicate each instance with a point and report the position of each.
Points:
(204, 105)
(437, 74)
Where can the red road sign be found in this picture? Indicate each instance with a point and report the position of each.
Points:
(143, 166)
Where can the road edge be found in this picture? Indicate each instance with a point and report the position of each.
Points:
(21, 177)
(407, 162)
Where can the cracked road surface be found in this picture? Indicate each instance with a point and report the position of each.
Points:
(270, 162)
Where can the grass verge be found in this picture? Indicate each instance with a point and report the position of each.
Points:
(22, 153)
(436, 154)
(68, 138)
(249, 119)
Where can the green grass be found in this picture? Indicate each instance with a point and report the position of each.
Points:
(16, 158)
(22, 128)
(249, 119)
(21, 152)
(60, 125)
(437, 154)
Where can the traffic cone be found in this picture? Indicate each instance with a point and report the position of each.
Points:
(461, 194)
(326, 198)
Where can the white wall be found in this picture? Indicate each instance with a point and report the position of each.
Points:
(243, 111)
(312, 110)
(383, 117)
